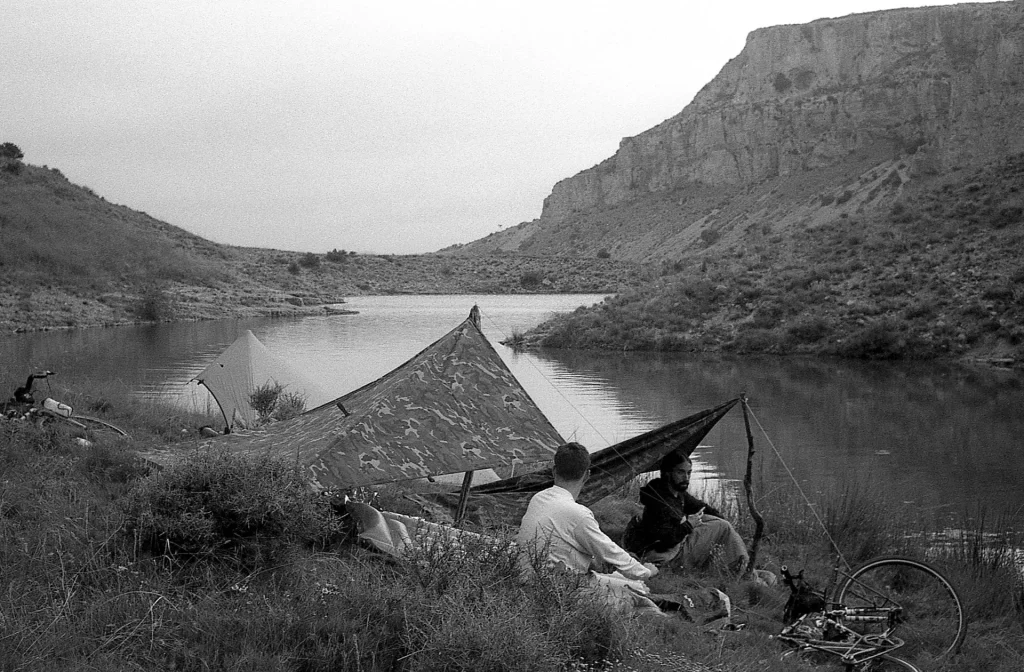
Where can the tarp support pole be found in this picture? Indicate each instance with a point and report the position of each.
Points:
(460, 511)
(748, 487)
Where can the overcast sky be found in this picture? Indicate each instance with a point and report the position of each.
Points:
(378, 126)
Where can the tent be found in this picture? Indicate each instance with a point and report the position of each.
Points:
(454, 407)
(242, 368)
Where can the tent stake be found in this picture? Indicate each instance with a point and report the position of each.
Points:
(460, 511)
(748, 487)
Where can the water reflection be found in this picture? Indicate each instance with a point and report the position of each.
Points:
(943, 438)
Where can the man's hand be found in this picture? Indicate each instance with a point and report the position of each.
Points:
(695, 519)
(652, 567)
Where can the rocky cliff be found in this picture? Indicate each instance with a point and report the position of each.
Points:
(877, 99)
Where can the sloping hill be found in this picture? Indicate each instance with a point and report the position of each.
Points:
(69, 258)
(940, 274)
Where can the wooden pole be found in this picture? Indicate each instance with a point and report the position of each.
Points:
(748, 487)
(460, 510)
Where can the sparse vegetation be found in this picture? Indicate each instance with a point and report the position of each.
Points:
(885, 287)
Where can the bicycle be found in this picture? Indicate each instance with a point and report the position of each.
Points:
(22, 407)
(887, 604)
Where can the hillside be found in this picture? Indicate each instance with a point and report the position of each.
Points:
(69, 258)
(939, 275)
(849, 186)
(804, 116)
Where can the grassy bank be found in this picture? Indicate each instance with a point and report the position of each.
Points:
(234, 566)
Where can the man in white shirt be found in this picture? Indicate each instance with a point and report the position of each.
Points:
(568, 534)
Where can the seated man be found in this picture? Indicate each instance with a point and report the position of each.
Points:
(569, 535)
(677, 528)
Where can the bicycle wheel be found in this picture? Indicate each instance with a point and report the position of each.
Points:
(932, 622)
(96, 426)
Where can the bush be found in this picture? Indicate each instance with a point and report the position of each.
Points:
(218, 505)
(808, 329)
(9, 150)
(154, 304)
(309, 260)
(271, 402)
(336, 255)
(530, 279)
(293, 268)
(879, 340)
(603, 254)
(710, 236)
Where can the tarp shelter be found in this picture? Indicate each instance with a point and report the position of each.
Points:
(454, 407)
(241, 369)
(504, 502)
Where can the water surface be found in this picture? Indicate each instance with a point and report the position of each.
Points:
(941, 438)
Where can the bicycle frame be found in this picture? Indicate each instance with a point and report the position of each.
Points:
(852, 648)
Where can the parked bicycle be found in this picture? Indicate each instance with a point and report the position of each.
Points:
(886, 605)
(22, 406)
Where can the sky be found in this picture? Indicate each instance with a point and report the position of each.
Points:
(380, 126)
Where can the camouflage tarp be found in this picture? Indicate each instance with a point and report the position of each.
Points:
(452, 408)
(504, 502)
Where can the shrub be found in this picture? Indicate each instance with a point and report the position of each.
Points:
(998, 292)
(808, 329)
(1008, 215)
(218, 506)
(879, 340)
(293, 267)
(309, 260)
(710, 236)
(923, 310)
(271, 402)
(336, 255)
(154, 304)
(9, 150)
(530, 279)
(603, 254)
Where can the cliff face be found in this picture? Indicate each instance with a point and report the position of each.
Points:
(942, 85)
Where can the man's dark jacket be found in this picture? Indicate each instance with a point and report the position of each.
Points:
(659, 527)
